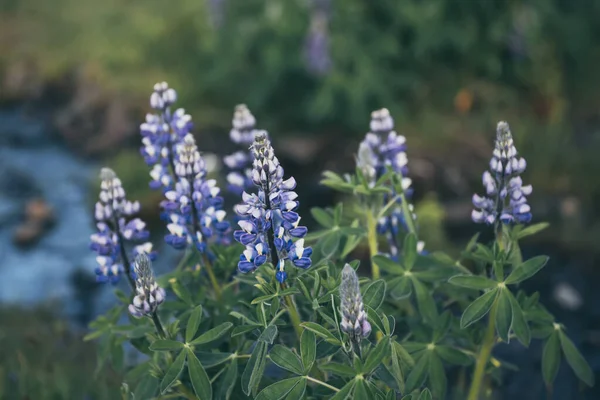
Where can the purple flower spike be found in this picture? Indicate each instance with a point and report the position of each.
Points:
(505, 200)
(381, 149)
(354, 317)
(148, 295)
(113, 214)
(270, 222)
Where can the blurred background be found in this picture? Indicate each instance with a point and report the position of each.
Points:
(76, 75)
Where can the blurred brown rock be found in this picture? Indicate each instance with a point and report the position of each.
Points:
(39, 217)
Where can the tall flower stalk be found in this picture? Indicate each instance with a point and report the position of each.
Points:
(270, 229)
(504, 203)
(383, 149)
(116, 229)
(239, 163)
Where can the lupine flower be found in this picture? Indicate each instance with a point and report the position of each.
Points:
(113, 214)
(193, 205)
(148, 295)
(354, 317)
(270, 223)
(505, 199)
(383, 148)
(240, 162)
(161, 133)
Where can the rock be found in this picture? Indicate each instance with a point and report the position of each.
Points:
(38, 211)
(27, 234)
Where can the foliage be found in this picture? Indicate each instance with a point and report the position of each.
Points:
(301, 334)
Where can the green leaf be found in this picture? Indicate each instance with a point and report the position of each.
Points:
(338, 369)
(374, 318)
(417, 376)
(374, 294)
(473, 282)
(532, 230)
(478, 308)
(261, 299)
(526, 270)
(278, 390)
(146, 389)
(399, 358)
(255, 368)
(321, 331)
(345, 392)
(240, 330)
(425, 395)
(269, 334)
(437, 376)
(337, 214)
(400, 288)
(376, 355)
(452, 355)
(576, 360)
(329, 244)
(198, 377)
(504, 315)
(286, 359)
(388, 265)
(308, 349)
(211, 359)
(297, 393)
(551, 358)
(228, 382)
(519, 323)
(427, 307)
(181, 291)
(409, 251)
(193, 324)
(212, 334)
(173, 372)
(322, 217)
(361, 391)
(166, 345)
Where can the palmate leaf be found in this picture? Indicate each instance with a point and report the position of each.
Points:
(576, 360)
(279, 390)
(308, 349)
(198, 377)
(476, 282)
(286, 359)
(504, 315)
(551, 358)
(526, 270)
(478, 308)
(255, 368)
(374, 294)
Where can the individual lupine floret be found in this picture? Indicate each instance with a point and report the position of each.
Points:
(161, 133)
(240, 162)
(113, 214)
(505, 199)
(193, 204)
(148, 295)
(270, 221)
(354, 318)
(381, 149)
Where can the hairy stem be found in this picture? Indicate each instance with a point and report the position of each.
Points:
(158, 326)
(484, 355)
(293, 312)
(372, 240)
(212, 277)
(328, 386)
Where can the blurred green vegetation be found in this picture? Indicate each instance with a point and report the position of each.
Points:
(42, 358)
(447, 69)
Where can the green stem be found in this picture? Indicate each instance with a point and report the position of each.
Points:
(158, 325)
(328, 386)
(372, 240)
(484, 355)
(212, 277)
(294, 316)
